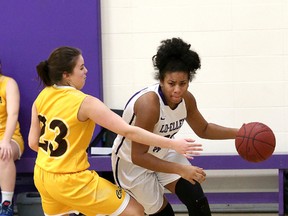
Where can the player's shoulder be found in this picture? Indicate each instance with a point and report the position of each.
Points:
(8, 79)
(189, 97)
(148, 99)
(147, 107)
(190, 100)
(11, 82)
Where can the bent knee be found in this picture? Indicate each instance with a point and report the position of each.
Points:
(133, 209)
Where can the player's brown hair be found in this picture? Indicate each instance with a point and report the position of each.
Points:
(62, 59)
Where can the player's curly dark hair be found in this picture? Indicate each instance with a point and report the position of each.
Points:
(175, 55)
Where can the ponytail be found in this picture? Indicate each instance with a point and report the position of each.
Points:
(43, 73)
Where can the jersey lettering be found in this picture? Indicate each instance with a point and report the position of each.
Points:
(172, 126)
(59, 145)
(157, 149)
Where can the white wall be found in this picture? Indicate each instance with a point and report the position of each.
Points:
(243, 45)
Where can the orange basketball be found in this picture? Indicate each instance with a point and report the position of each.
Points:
(255, 142)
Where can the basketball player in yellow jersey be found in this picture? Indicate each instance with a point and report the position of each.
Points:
(11, 141)
(62, 124)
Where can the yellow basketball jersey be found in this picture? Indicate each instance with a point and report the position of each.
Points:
(3, 114)
(64, 139)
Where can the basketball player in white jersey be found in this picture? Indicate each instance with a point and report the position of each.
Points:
(144, 171)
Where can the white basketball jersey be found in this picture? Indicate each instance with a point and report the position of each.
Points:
(169, 123)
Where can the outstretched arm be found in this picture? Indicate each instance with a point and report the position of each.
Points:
(94, 109)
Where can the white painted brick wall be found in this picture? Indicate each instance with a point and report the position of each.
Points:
(243, 45)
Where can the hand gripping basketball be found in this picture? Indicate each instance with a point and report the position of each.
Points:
(255, 142)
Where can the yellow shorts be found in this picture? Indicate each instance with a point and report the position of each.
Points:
(19, 140)
(83, 192)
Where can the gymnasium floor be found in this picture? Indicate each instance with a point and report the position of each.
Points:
(220, 210)
(225, 214)
(238, 214)
(235, 210)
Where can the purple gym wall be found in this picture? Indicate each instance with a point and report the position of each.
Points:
(31, 29)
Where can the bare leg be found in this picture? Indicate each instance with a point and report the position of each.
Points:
(171, 186)
(8, 171)
(133, 209)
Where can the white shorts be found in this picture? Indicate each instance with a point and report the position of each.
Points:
(146, 186)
